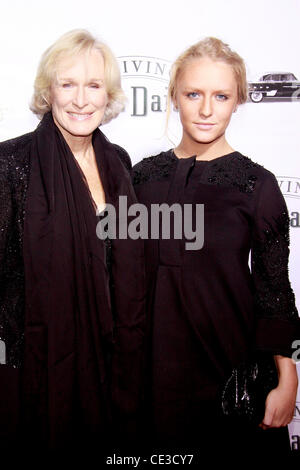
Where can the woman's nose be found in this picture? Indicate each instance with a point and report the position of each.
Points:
(205, 107)
(80, 98)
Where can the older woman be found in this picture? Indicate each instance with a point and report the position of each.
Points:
(60, 283)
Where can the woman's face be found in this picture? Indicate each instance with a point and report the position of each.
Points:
(78, 94)
(206, 96)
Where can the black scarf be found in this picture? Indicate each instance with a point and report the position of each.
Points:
(68, 318)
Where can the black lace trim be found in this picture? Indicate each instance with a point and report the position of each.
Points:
(154, 168)
(233, 172)
(270, 262)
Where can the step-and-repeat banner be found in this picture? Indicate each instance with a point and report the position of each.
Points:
(146, 37)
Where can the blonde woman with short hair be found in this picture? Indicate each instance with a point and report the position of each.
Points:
(72, 332)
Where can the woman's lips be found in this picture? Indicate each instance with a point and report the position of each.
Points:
(80, 116)
(205, 126)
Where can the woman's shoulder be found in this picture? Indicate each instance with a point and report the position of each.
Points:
(260, 173)
(14, 160)
(18, 147)
(237, 170)
(123, 156)
(240, 162)
(154, 167)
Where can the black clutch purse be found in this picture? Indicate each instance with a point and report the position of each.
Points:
(245, 392)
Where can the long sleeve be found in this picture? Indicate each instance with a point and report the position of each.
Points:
(5, 211)
(9, 376)
(5, 225)
(14, 174)
(276, 313)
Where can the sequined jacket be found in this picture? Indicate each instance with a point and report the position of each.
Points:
(14, 178)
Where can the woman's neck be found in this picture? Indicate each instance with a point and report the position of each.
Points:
(203, 151)
(80, 146)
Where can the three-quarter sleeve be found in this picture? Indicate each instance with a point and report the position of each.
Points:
(277, 320)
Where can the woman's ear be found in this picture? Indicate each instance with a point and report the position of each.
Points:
(47, 98)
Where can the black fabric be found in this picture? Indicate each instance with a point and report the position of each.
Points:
(68, 316)
(14, 179)
(207, 310)
(81, 367)
(14, 176)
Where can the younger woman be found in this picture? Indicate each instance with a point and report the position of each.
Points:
(208, 312)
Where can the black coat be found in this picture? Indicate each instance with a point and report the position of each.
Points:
(128, 302)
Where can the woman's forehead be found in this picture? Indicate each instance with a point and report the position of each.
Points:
(206, 71)
(90, 59)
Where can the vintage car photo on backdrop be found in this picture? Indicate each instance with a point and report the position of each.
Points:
(283, 85)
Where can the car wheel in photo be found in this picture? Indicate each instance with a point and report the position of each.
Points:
(256, 96)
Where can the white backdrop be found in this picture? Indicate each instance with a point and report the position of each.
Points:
(146, 37)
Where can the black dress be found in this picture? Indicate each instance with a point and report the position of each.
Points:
(207, 309)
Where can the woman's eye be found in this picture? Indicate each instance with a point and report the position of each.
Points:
(94, 85)
(66, 85)
(221, 97)
(193, 95)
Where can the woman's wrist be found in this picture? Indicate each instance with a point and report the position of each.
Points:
(287, 372)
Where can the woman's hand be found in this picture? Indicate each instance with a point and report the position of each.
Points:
(280, 402)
